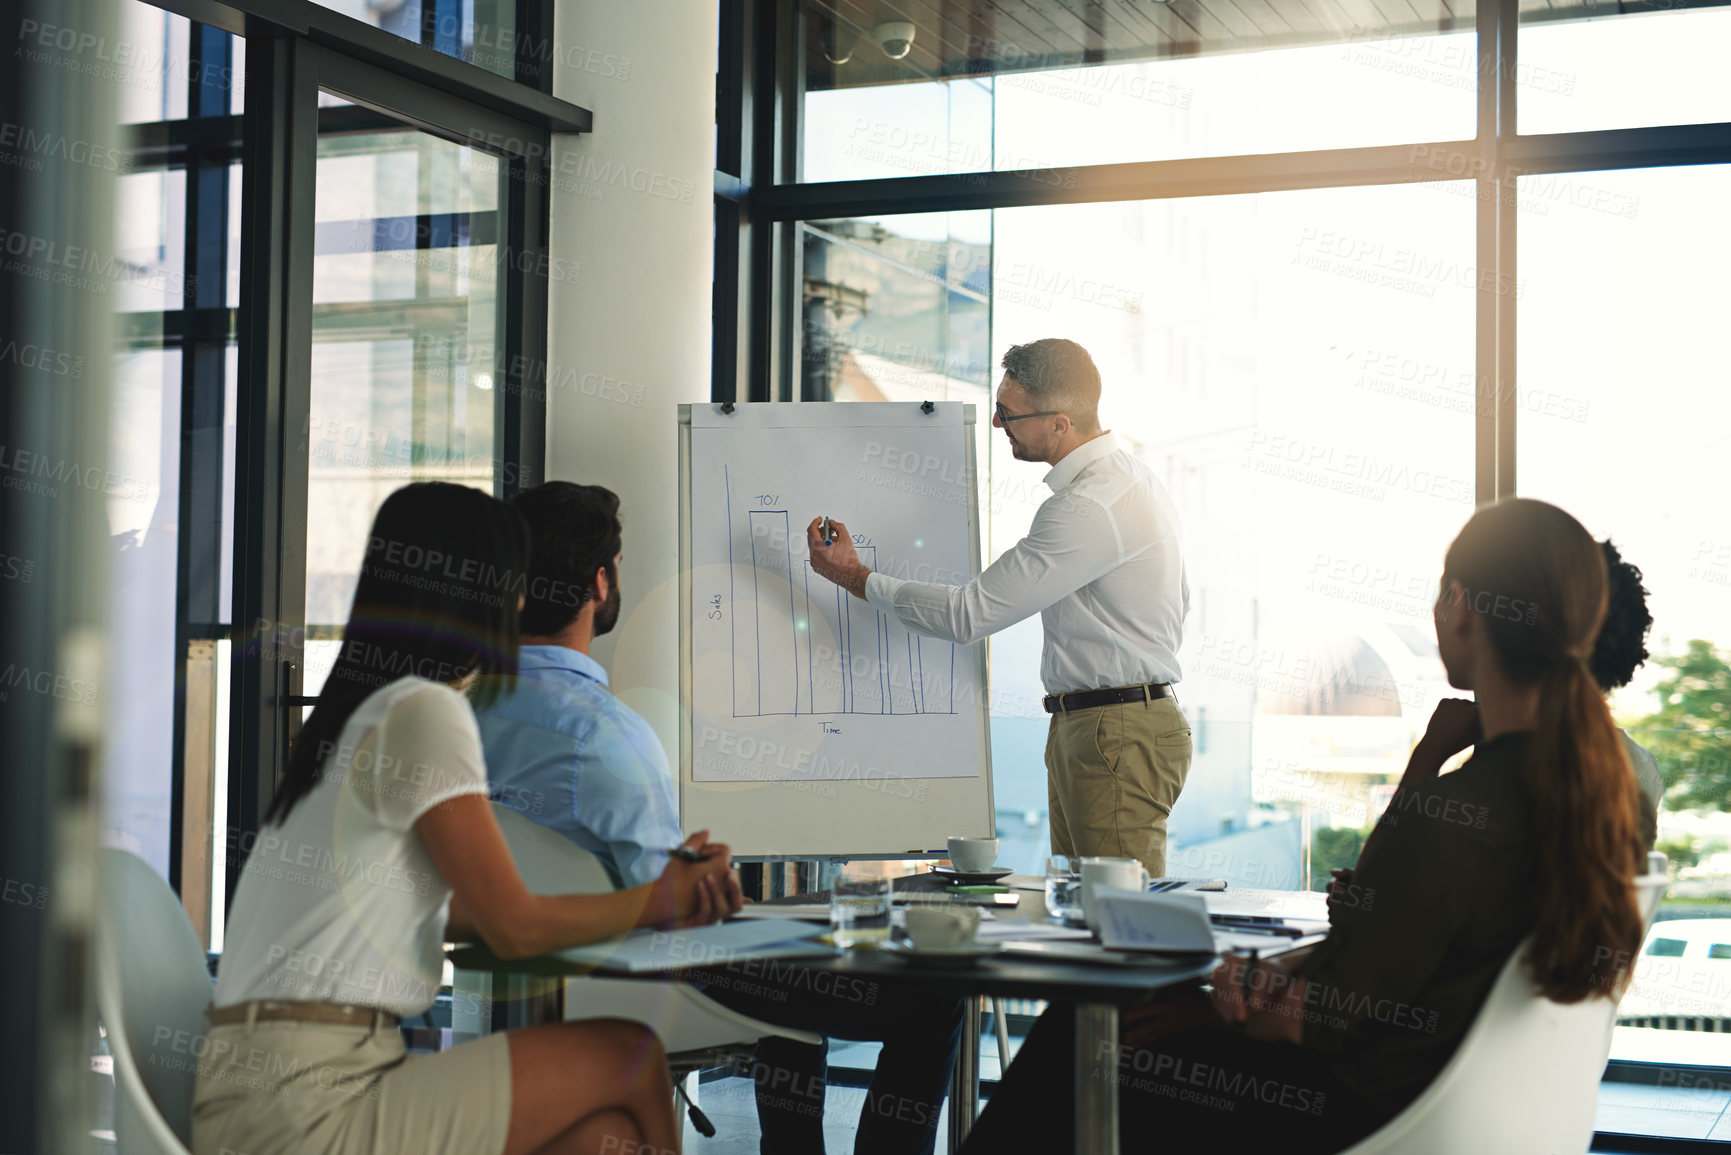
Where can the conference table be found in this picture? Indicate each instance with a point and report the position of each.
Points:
(1099, 992)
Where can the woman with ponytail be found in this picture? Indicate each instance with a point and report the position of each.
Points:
(1534, 839)
(1529, 669)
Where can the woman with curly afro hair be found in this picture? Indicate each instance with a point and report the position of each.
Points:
(1620, 650)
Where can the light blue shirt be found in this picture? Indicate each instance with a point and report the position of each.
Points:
(561, 750)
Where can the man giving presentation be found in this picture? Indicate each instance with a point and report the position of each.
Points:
(1102, 566)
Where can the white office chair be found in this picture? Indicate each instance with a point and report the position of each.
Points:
(152, 987)
(1525, 1078)
(686, 1020)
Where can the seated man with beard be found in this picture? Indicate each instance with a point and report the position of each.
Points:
(564, 752)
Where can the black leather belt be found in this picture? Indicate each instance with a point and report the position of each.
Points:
(1087, 699)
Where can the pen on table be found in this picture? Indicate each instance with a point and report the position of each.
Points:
(687, 854)
(1245, 985)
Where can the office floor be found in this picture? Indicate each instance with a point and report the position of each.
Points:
(1683, 1113)
(732, 1107)
(1623, 1107)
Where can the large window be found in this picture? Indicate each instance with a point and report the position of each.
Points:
(1664, 65)
(1268, 357)
(405, 302)
(174, 288)
(898, 307)
(143, 520)
(1346, 274)
(1001, 91)
(483, 32)
(389, 327)
(1629, 424)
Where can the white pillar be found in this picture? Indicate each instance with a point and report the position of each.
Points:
(629, 319)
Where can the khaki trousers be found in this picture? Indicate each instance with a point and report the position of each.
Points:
(1112, 776)
(292, 1088)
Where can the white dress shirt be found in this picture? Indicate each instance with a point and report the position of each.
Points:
(1101, 565)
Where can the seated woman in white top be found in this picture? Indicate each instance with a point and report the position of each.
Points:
(378, 847)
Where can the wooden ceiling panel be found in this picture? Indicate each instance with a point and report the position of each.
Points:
(1271, 22)
(958, 38)
(1363, 17)
(1332, 17)
(1084, 20)
(1239, 26)
(1043, 20)
(1208, 27)
(1007, 18)
(1433, 12)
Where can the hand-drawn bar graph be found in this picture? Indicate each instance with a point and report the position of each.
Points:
(806, 646)
(875, 665)
(775, 651)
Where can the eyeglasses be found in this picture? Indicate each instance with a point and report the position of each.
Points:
(1005, 418)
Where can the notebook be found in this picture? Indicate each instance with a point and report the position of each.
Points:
(728, 942)
(1138, 920)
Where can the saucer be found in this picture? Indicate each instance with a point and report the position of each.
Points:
(973, 877)
(941, 956)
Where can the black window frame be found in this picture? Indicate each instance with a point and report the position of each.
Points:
(295, 50)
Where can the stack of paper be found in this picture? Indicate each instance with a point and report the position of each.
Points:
(728, 942)
(813, 911)
(1311, 906)
(1137, 920)
(1006, 931)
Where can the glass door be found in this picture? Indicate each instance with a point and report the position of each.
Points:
(403, 346)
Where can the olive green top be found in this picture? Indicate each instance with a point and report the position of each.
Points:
(1442, 894)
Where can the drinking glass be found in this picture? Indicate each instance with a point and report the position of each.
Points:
(859, 906)
(1063, 886)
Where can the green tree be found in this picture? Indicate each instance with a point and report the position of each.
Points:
(1681, 852)
(1690, 735)
(1332, 847)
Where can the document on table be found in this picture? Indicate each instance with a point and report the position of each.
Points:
(1093, 952)
(1303, 905)
(666, 950)
(1293, 928)
(812, 911)
(1008, 899)
(1136, 920)
(1283, 918)
(1004, 930)
(1227, 938)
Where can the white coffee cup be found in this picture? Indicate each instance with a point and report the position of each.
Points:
(1122, 873)
(941, 927)
(973, 855)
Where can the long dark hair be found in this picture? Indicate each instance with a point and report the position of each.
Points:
(1537, 579)
(437, 599)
